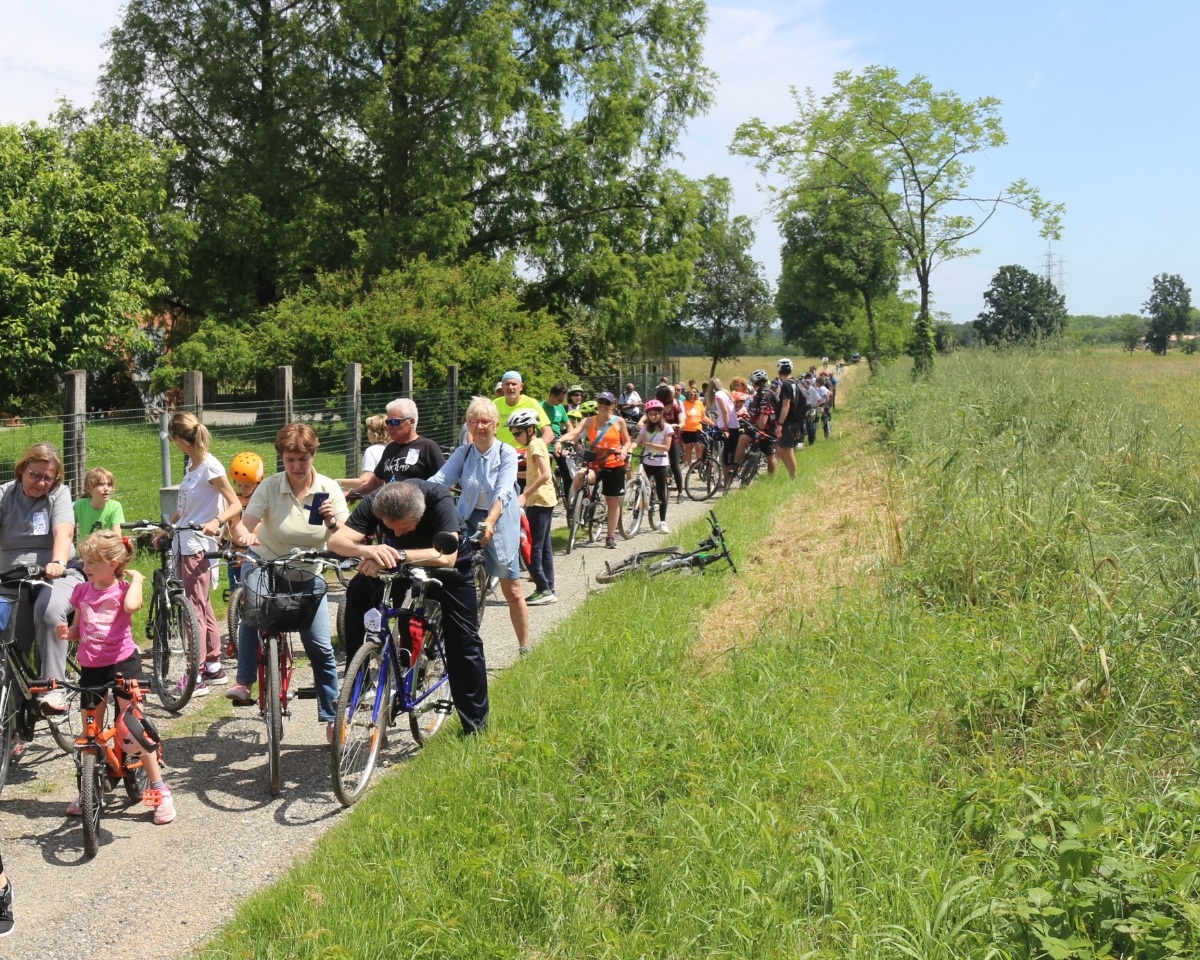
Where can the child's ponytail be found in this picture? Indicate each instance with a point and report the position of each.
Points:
(108, 546)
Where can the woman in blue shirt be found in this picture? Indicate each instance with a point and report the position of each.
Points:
(486, 473)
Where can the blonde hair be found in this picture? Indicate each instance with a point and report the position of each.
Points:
(188, 428)
(97, 475)
(482, 407)
(377, 428)
(41, 452)
(107, 546)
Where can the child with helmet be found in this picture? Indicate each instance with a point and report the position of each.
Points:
(246, 473)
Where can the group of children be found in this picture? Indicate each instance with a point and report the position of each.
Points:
(105, 602)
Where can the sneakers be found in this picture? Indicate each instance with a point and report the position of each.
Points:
(216, 677)
(524, 651)
(663, 528)
(75, 808)
(161, 802)
(239, 693)
(329, 732)
(201, 688)
(540, 598)
(610, 543)
(54, 703)
(7, 924)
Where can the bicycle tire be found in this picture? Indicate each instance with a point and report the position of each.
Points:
(574, 519)
(700, 482)
(64, 729)
(425, 718)
(630, 521)
(10, 694)
(652, 507)
(352, 759)
(91, 801)
(630, 564)
(340, 622)
(136, 782)
(483, 585)
(273, 712)
(591, 508)
(176, 654)
(233, 616)
(749, 470)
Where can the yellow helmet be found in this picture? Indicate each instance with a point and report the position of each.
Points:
(246, 468)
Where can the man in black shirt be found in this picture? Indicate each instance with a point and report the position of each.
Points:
(793, 411)
(405, 517)
(407, 456)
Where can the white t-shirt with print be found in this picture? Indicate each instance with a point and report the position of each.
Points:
(198, 502)
(656, 458)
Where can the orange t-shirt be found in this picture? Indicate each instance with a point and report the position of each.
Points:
(693, 415)
(609, 441)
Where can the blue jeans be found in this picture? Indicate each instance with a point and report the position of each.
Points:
(317, 645)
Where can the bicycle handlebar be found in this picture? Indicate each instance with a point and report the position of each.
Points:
(146, 526)
(25, 571)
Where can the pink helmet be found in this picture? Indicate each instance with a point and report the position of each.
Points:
(653, 405)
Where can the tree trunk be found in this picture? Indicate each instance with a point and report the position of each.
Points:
(873, 334)
(712, 371)
(923, 343)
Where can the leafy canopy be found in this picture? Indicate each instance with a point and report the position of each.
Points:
(1168, 310)
(1021, 306)
(905, 148)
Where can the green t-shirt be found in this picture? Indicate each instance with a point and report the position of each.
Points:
(503, 434)
(88, 519)
(557, 412)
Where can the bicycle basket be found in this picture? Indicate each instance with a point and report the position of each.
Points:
(273, 602)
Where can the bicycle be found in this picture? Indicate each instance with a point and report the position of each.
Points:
(711, 550)
(752, 460)
(275, 607)
(638, 501)
(484, 584)
(100, 761)
(171, 623)
(19, 683)
(588, 510)
(703, 477)
(403, 651)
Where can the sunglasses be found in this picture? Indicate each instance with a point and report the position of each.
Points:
(40, 477)
(397, 421)
(604, 403)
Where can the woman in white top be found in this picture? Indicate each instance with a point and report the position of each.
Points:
(206, 497)
(378, 436)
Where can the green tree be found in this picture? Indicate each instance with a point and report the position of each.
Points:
(838, 254)
(1131, 332)
(360, 135)
(1021, 306)
(82, 208)
(1168, 310)
(729, 298)
(905, 147)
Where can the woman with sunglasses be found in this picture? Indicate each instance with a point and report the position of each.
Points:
(37, 525)
(486, 472)
(607, 445)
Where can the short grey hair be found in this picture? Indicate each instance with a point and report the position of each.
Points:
(403, 407)
(483, 408)
(399, 501)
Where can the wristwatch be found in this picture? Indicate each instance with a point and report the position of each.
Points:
(403, 556)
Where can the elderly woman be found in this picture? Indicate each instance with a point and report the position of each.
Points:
(276, 521)
(38, 526)
(486, 472)
(377, 435)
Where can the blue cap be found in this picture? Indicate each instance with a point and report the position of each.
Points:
(512, 375)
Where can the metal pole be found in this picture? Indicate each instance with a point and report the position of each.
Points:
(408, 380)
(75, 429)
(452, 398)
(164, 447)
(283, 393)
(353, 417)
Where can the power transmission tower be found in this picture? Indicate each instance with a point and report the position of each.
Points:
(1054, 269)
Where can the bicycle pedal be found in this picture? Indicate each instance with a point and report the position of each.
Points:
(304, 693)
(444, 706)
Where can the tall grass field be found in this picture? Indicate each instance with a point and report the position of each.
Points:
(977, 739)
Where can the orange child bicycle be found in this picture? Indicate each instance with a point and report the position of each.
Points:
(106, 756)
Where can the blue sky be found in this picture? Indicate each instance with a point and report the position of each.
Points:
(1099, 98)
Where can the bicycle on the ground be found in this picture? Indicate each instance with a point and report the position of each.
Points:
(172, 626)
(20, 710)
(703, 477)
(100, 760)
(399, 669)
(711, 550)
(275, 606)
(640, 500)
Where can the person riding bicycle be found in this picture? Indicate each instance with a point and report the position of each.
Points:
(656, 439)
(760, 411)
(607, 447)
(405, 517)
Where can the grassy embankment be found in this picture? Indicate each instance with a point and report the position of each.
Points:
(958, 721)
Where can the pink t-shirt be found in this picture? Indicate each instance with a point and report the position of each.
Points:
(105, 629)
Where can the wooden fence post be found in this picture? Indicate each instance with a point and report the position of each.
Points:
(407, 382)
(193, 392)
(75, 429)
(283, 394)
(452, 401)
(353, 418)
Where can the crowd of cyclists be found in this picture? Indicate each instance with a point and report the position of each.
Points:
(518, 459)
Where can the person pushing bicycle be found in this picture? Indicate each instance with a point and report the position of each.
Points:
(607, 447)
(406, 516)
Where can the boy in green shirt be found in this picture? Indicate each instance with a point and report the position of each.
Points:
(98, 511)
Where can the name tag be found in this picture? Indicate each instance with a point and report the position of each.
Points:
(41, 523)
(411, 457)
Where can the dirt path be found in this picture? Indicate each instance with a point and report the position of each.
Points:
(231, 835)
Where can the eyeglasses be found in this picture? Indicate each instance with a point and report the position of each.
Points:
(480, 423)
(40, 477)
(397, 421)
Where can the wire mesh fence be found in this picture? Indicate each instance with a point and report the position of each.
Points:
(129, 443)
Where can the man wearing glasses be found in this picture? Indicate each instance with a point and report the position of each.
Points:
(407, 455)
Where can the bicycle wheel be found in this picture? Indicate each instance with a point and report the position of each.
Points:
(91, 801)
(483, 586)
(700, 483)
(340, 621)
(360, 723)
(429, 682)
(639, 561)
(233, 616)
(274, 711)
(10, 696)
(176, 653)
(631, 509)
(136, 782)
(574, 519)
(595, 516)
(653, 512)
(65, 728)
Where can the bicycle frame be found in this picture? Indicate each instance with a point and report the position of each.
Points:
(101, 740)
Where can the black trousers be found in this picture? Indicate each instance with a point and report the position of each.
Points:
(465, 664)
(674, 458)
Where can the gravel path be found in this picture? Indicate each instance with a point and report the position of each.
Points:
(231, 836)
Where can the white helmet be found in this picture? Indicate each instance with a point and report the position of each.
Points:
(783, 365)
(525, 417)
